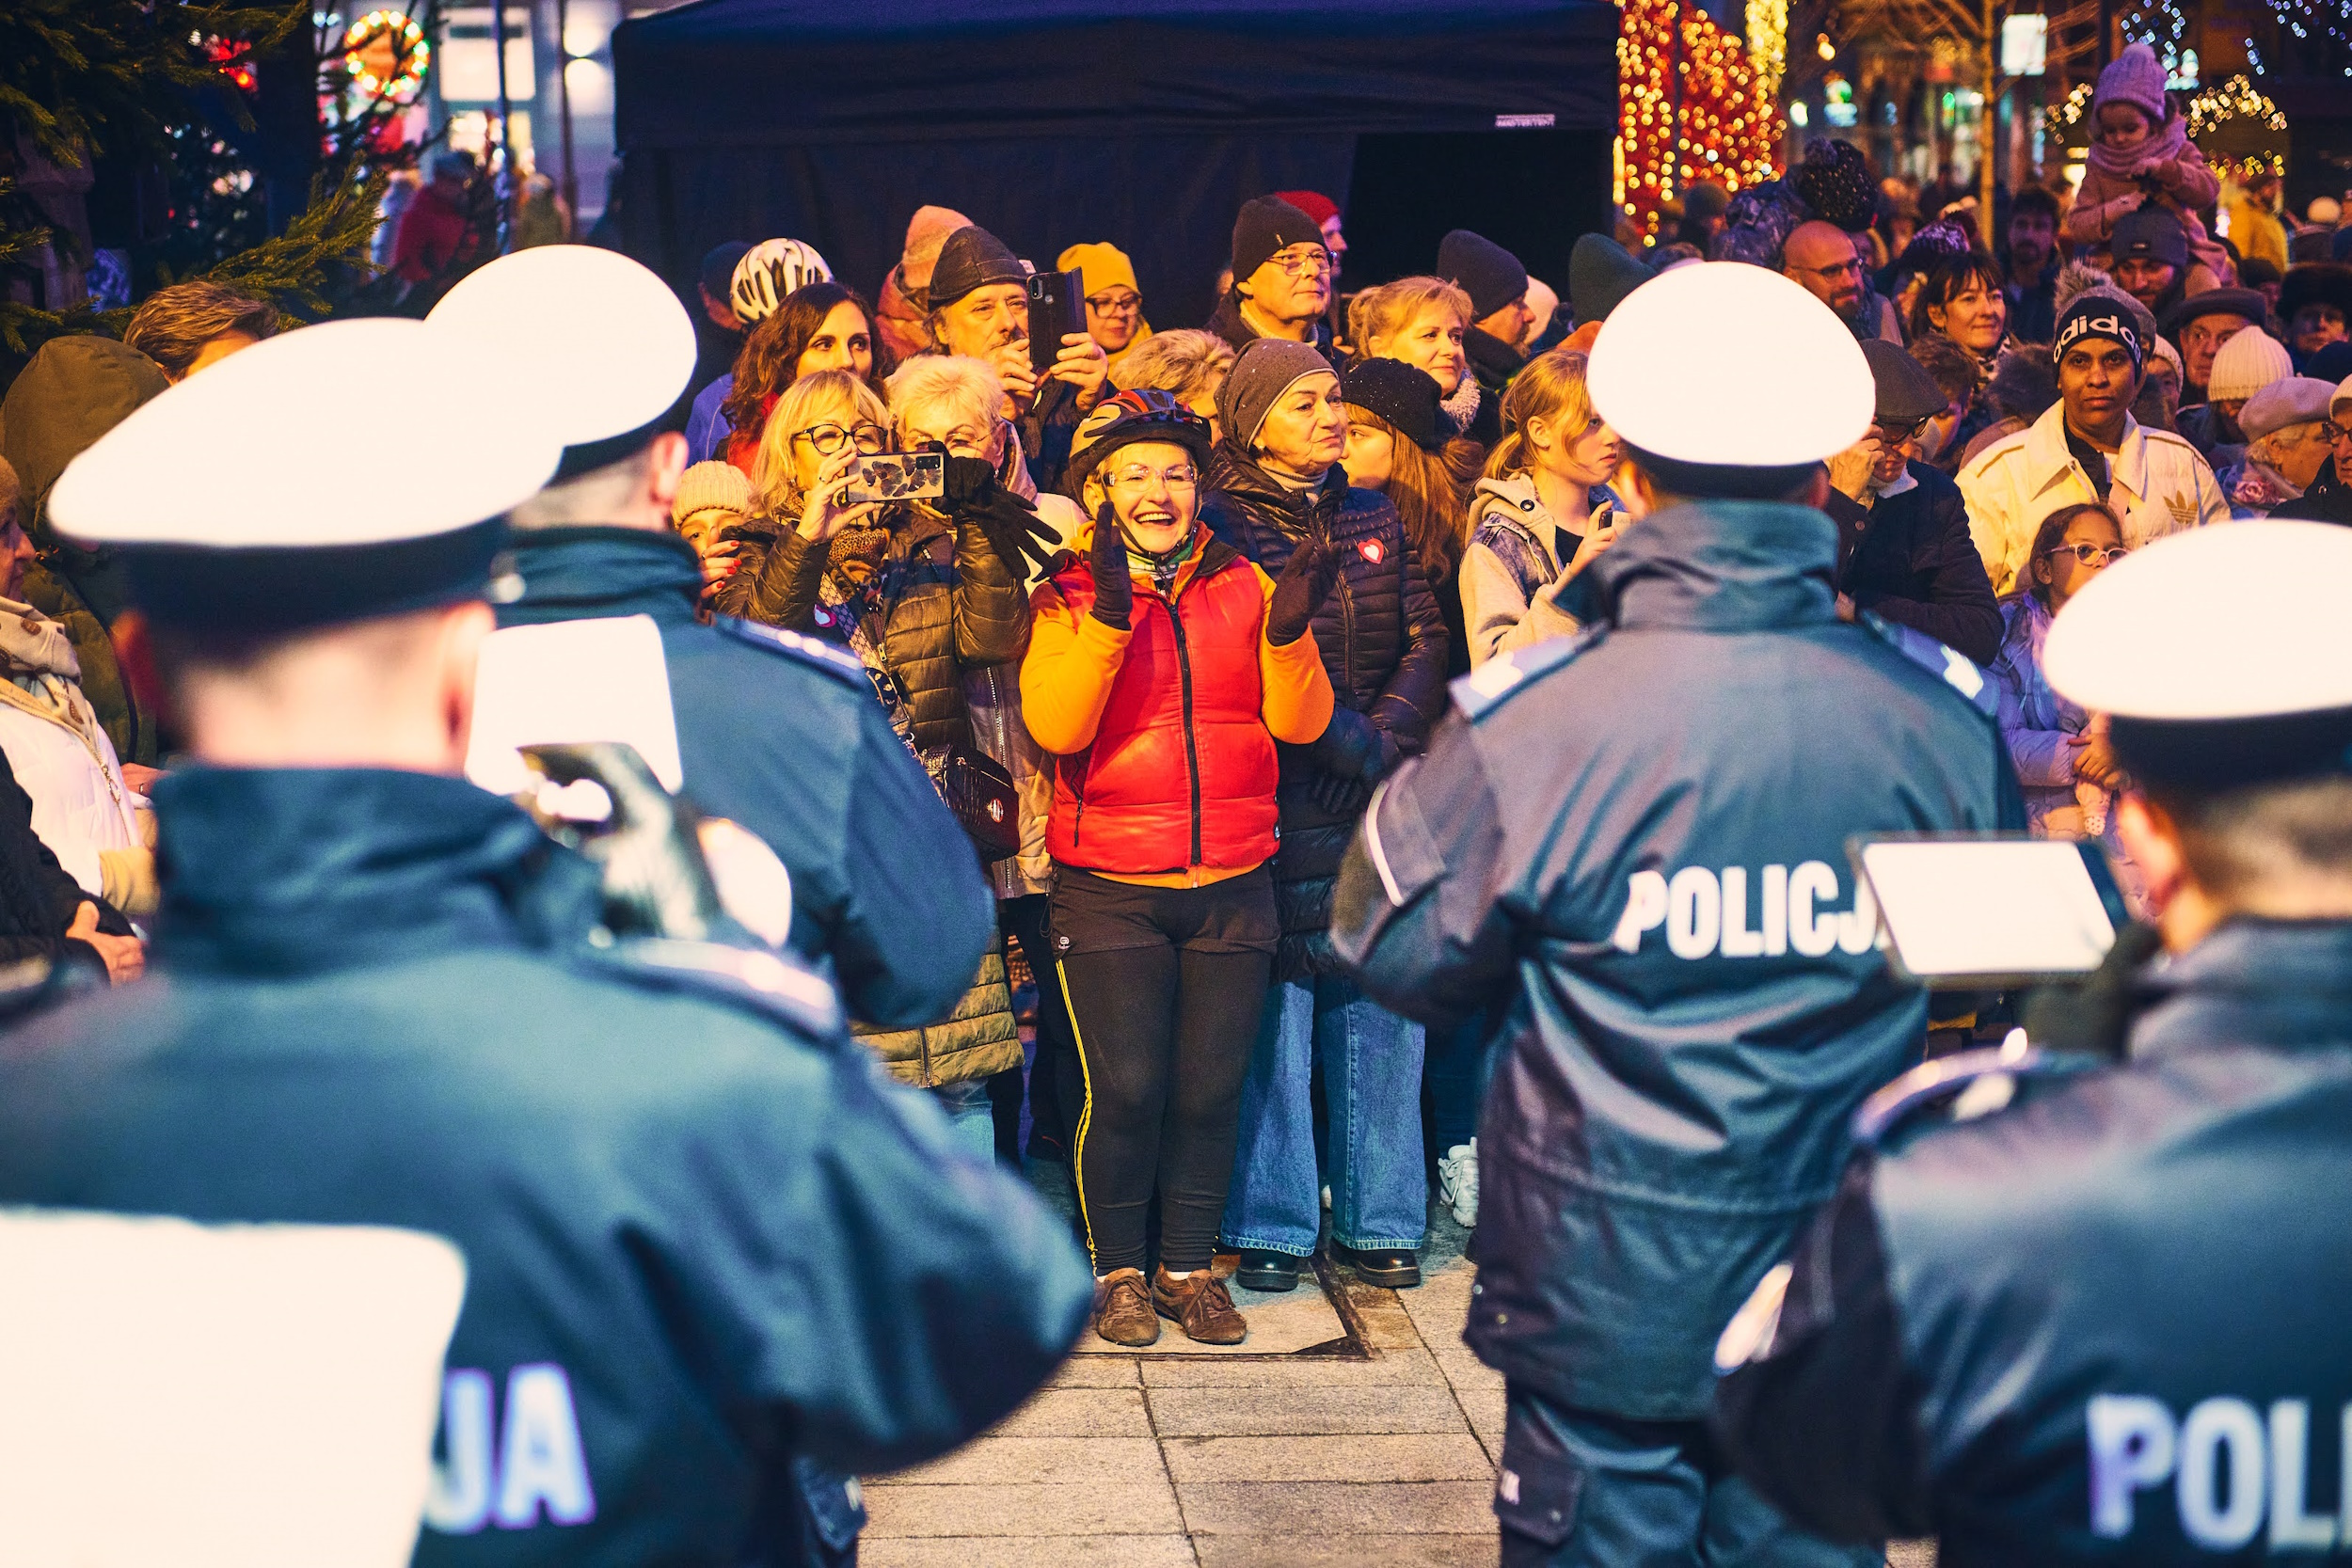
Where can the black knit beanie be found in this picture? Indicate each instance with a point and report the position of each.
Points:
(1490, 275)
(1405, 395)
(973, 259)
(1265, 226)
(1836, 183)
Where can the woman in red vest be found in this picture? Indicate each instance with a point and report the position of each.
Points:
(1161, 668)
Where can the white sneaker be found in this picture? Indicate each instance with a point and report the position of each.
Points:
(1457, 1182)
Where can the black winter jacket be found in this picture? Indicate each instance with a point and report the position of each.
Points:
(1493, 363)
(1383, 644)
(1226, 323)
(1910, 558)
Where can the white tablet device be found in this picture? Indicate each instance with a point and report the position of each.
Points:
(1986, 911)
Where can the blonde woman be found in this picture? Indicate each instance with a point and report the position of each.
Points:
(1544, 511)
(1422, 320)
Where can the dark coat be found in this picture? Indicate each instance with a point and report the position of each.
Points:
(948, 601)
(39, 898)
(1998, 1330)
(1633, 842)
(2328, 499)
(698, 1226)
(1910, 558)
(1383, 644)
(788, 742)
(1226, 322)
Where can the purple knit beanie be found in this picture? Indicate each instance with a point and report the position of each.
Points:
(2135, 77)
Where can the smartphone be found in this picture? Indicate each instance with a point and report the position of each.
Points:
(1987, 911)
(896, 476)
(1057, 305)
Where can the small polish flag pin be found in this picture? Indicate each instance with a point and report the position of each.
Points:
(1372, 550)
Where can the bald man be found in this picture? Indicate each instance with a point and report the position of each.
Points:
(1823, 258)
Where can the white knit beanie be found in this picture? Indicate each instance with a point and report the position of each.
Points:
(712, 485)
(2250, 360)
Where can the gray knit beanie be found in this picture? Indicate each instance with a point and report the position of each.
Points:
(1265, 369)
(706, 486)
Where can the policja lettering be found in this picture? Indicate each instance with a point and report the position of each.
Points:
(541, 1467)
(1704, 913)
(2228, 1468)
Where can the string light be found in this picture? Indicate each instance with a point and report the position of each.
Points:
(406, 55)
(1724, 128)
(2235, 99)
(1768, 43)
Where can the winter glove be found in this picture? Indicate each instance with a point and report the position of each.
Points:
(1306, 581)
(1402, 724)
(1337, 796)
(967, 479)
(1114, 590)
(1020, 537)
(1351, 746)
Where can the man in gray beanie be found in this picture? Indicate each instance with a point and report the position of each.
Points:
(980, 309)
(1282, 274)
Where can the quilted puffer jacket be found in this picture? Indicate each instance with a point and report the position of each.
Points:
(1383, 644)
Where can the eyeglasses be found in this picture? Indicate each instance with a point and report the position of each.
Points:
(829, 439)
(1293, 262)
(2091, 555)
(1838, 270)
(1138, 476)
(1896, 435)
(1115, 305)
(2331, 431)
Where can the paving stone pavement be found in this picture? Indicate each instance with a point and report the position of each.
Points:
(1383, 1454)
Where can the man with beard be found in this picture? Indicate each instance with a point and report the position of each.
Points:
(1821, 257)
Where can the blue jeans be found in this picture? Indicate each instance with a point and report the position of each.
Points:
(1371, 1090)
(970, 1116)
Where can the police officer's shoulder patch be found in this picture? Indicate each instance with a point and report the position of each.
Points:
(792, 645)
(774, 985)
(1956, 670)
(1959, 1088)
(1482, 690)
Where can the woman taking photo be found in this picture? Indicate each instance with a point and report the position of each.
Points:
(821, 326)
(1278, 484)
(1163, 668)
(1396, 445)
(1421, 322)
(1543, 512)
(920, 598)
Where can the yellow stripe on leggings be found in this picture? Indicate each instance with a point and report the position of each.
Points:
(1085, 1116)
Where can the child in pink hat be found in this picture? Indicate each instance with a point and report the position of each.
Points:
(2141, 152)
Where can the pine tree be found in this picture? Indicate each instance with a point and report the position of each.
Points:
(157, 82)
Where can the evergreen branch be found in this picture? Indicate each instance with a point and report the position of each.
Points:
(333, 232)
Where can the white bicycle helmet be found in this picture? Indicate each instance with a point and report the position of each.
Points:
(772, 270)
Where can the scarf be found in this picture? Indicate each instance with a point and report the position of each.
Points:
(38, 657)
(1462, 408)
(1162, 569)
(2166, 146)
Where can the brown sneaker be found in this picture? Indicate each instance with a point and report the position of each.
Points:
(1122, 1308)
(1198, 1304)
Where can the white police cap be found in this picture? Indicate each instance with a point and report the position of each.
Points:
(594, 343)
(251, 494)
(2222, 654)
(1725, 363)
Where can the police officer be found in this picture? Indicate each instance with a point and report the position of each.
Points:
(774, 732)
(705, 1240)
(1636, 837)
(2104, 1321)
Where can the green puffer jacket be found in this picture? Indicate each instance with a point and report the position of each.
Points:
(948, 603)
(978, 1039)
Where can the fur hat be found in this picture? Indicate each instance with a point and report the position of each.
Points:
(2315, 283)
(2249, 361)
(2135, 77)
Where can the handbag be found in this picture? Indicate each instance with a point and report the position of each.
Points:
(980, 794)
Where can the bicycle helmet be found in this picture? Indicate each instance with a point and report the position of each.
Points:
(769, 271)
(1124, 417)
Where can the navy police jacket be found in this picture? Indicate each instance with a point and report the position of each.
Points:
(784, 738)
(1634, 841)
(706, 1242)
(2104, 1321)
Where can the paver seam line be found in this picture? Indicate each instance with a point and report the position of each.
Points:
(1159, 1446)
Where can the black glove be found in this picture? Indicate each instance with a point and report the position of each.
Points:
(1338, 796)
(967, 479)
(1349, 745)
(1306, 581)
(1013, 529)
(1114, 590)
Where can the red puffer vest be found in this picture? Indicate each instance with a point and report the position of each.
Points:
(1182, 771)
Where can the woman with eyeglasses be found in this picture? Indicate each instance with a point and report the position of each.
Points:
(1114, 299)
(920, 598)
(1163, 669)
(2061, 754)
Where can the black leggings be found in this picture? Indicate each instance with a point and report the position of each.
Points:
(1164, 988)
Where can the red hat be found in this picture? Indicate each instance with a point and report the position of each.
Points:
(1313, 203)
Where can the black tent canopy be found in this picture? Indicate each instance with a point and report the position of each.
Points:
(1144, 122)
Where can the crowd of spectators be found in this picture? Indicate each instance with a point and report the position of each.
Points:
(1192, 592)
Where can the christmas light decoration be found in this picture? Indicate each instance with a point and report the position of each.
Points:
(2235, 99)
(1768, 44)
(1691, 106)
(386, 55)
